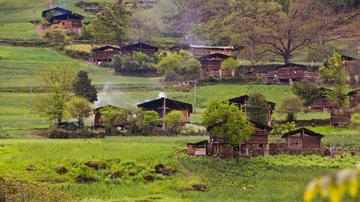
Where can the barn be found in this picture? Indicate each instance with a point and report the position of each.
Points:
(104, 53)
(98, 120)
(211, 65)
(295, 72)
(71, 21)
(354, 98)
(165, 105)
(341, 117)
(148, 49)
(201, 50)
(242, 103)
(352, 66)
(198, 148)
(302, 139)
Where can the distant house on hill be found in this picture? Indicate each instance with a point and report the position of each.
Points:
(71, 21)
(322, 103)
(140, 47)
(303, 139)
(354, 97)
(104, 53)
(200, 50)
(295, 72)
(164, 106)
(352, 66)
(211, 65)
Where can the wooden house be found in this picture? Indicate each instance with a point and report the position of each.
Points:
(211, 65)
(352, 67)
(71, 21)
(354, 98)
(322, 103)
(104, 54)
(165, 105)
(257, 144)
(295, 72)
(198, 149)
(254, 72)
(98, 120)
(242, 103)
(220, 147)
(341, 117)
(302, 139)
(148, 49)
(200, 50)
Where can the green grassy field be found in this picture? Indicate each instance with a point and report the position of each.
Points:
(22, 31)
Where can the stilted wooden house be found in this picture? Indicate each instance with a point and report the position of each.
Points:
(148, 49)
(322, 103)
(211, 65)
(98, 120)
(257, 144)
(198, 149)
(352, 66)
(354, 98)
(295, 72)
(242, 103)
(200, 50)
(104, 53)
(341, 117)
(165, 105)
(71, 21)
(302, 139)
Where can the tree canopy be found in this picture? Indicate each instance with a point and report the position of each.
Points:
(84, 88)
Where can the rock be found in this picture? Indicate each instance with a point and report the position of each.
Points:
(116, 175)
(31, 168)
(149, 178)
(96, 165)
(200, 187)
(61, 170)
(159, 168)
(85, 179)
(168, 171)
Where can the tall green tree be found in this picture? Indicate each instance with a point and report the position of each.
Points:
(308, 92)
(227, 121)
(79, 108)
(84, 88)
(258, 108)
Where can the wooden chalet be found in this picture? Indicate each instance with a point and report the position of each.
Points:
(198, 149)
(352, 66)
(253, 72)
(341, 117)
(71, 21)
(257, 144)
(242, 103)
(211, 65)
(148, 49)
(322, 103)
(165, 105)
(98, 121)
(302, 139)
(295, 72)
(104, 53)
(200, 50)
(354, 98)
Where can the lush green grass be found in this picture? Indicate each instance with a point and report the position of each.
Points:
(23, 31)
(276, 178)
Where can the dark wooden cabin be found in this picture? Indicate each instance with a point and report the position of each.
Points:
(254, 72)
(354, 98)
(198, 149)
(98, 121)
(322, 103)
(148, 49)
(341, 117)
(211, 65)
(295, 72)
(71, 21)
(257, 144)
(302, 139)
(242, 103)
(352, 66)
(220, 147)
(104, 53)
(158, 106)
(200, 50)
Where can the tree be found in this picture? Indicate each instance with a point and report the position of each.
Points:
(58, 85)
(290, 106)
(173, 121)
(112, 23)
(114, 117)
(226, 121)
(84, 88)
(151, 120)
(57, 36)
(231, 64)
(308, 92)
(137, 63)
(79, 108)
(258, 108)
(179, 66)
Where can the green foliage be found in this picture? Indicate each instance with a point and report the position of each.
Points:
(151, 120)
(279, 129)
(179, 66)
(290, 106)
(258, 108)
(137, 63)
(57, 36)
(79, 108)
(114, 117)
(173, 121)
(84, 88)
(231, 64)
(227, 121)
(333, 72)
(308, 92)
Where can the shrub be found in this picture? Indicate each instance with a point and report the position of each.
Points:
(65, 134)
(137, 63)
(173, 121)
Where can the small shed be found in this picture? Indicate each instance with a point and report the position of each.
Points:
(104, 53)
(211, 64)
(198, 148)
(165, 105)
(341, 117)
(354, 98)
(295, 72)
(303, 139)
(148, 49)
(220, 147)
(98, 121)
(257, 144)
(322, 103)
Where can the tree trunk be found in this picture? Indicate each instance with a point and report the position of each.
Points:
(286, 59)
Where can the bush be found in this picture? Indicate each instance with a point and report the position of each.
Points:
(65, 134)
(137, 63)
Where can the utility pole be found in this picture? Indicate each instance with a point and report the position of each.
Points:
(164, 107)
(195, 94)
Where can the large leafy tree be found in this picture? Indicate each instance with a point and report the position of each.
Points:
(84, 88)
(79, 108)
(227, 121)
(258, 108)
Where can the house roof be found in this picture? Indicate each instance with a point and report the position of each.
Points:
(214, 56)
(172, 104)
(184, 46)
(261, 126)
(139, 45)
(242, 99)
(102, 107)
(348, 58)
(107, 47)
(302, 130)
(66, 16)
(354, 92)
(212, 47)
(57, 12)
(201, 143)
